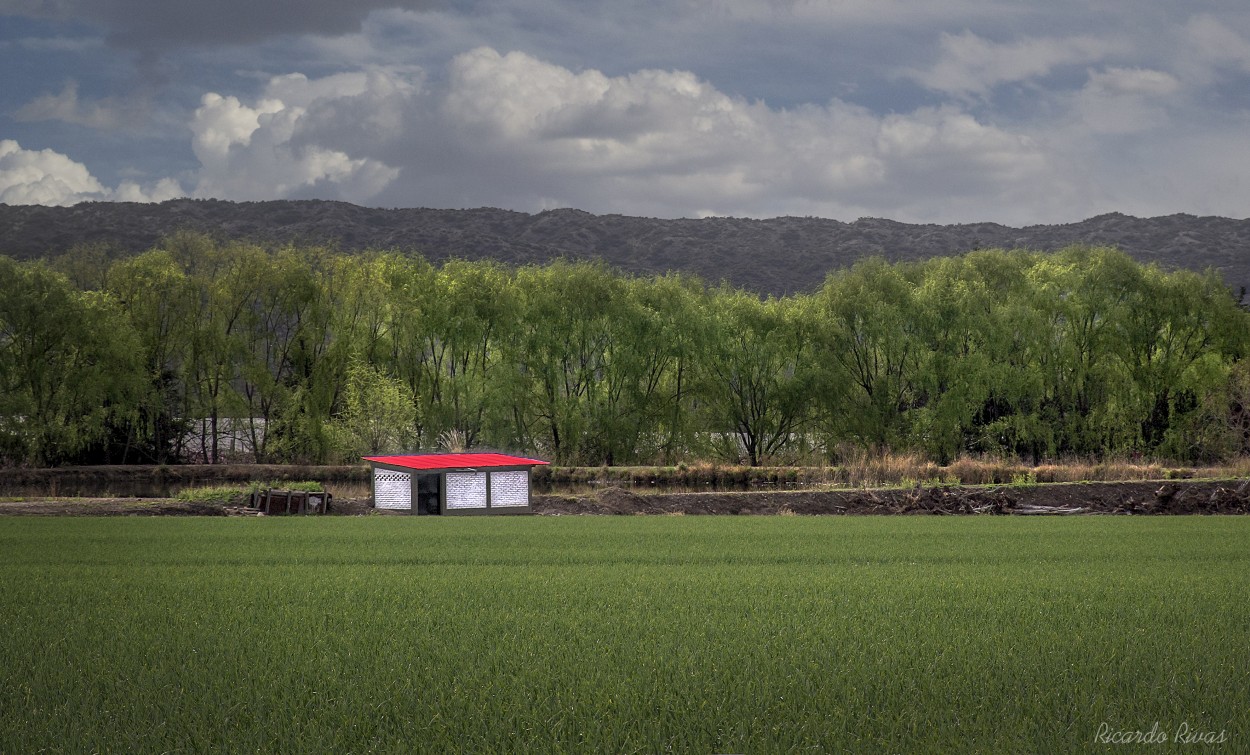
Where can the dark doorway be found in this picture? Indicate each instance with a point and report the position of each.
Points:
(429, 488)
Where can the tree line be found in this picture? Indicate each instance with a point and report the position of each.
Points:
(316, 356)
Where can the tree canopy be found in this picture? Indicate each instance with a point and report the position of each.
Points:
(303, 354)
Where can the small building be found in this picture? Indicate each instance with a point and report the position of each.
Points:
(477, 483)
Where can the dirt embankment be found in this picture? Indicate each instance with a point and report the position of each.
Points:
(150, 507)
(109, 507)
(1170, 497)
(158, 481)
(1187, 497)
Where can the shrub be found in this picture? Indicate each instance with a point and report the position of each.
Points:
(236, 493)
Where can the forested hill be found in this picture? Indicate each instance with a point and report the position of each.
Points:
(779, 255)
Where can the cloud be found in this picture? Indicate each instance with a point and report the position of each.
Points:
(970, 65)
(43, 177)
(142, 24)
(159, 191)
(50, 178)
(1119, 82)
(1125, 100)
(960, 110)
(1209, 49)
(867, 12)
(1217, 42)
(67, 107)
(72, 45)
(298, 136)
(518, 99)
(516, 131)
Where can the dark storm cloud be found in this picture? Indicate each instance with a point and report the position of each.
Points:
(148, 25)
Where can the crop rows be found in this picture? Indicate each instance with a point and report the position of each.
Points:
(619, 634)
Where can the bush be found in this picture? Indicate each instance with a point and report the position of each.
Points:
(214, 494)
(236, 493)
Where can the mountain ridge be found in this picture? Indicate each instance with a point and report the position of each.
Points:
(773, 256)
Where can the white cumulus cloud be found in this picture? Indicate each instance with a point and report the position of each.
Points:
(299, 135)
(43, 177)
(669, 143)
(509, 129)
(50, 178)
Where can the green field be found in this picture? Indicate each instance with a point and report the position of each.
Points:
(689, 634)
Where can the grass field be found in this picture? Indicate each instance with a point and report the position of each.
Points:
(646, 634)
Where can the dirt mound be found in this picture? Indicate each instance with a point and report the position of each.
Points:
(1173, 498)
(1185, 497)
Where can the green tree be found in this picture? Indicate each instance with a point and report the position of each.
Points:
(871, 337)
(468, 309)
(758, 378)
(656, 338)
(347, 324)
(1175, 340)
(956, 323)
(1017, 341)
(160, 302)
(560, 351)
(407, 283)
(377, 414)
(225, 281)
(69, 367)
(284, 337)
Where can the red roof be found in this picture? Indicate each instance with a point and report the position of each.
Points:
(454, 461)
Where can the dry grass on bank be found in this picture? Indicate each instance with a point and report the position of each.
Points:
(856, 471)
(888, 470)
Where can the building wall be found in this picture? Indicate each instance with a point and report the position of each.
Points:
(392, 490)
(509, 488)
(466, 490)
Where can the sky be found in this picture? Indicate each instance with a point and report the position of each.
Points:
(949, 111)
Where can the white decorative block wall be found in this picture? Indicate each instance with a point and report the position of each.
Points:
(466, 490)
(511, 488)
(392, 490)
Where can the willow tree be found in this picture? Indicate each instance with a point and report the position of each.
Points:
(467, 312)
(1176, 340)
(162, 308)
(560, 355)
(70, 367)
(376, 416)
(759, 375)
(962, 342)
(654, 355)
(871, 341)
